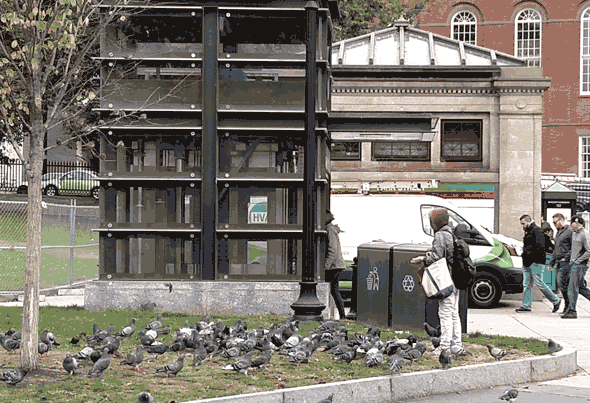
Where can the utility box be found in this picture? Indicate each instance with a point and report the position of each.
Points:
(389, 293)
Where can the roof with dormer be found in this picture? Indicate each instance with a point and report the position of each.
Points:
(402, 45)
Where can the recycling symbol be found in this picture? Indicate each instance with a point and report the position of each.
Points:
(408, 283)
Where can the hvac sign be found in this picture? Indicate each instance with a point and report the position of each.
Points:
(258, 210)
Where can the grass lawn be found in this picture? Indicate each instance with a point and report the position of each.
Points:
(120, 384)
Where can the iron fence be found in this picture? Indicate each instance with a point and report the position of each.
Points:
(69, 251)
(74, 178)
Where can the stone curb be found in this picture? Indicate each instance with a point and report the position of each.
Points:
(422, 384)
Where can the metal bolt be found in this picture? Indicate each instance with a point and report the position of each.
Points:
(109, 235)
(110, 183)
(109, 276)
(227, 175)
(109, 225)
(227, 65)
(110, 64)
(227, 106)
(110, 132)
(228, 15)
(193, 106)
(192, 225)
(192, 174)
(110, 105)
(193, 65)
(227, 185)
(226, 225)
(192, 235)
(228, 55)
(226, 134)
(225, 276)
(110, 174)
(192, 185)
(193, 55)
(191, 277)
(225, 236)
(193, 133)
(193, 14)
(111, 54)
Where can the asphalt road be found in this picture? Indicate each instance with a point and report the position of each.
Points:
(534, 393)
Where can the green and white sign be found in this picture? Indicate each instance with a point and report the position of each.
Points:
(258, 210)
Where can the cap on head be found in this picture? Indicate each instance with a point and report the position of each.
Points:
(578, 219)
(545, 226)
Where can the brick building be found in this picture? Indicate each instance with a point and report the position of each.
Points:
(554, 35)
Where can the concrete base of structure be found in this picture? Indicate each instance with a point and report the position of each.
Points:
(201, 298)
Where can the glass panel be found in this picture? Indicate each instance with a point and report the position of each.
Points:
(149, 154)
(263, 259)
(349, 150)
(256, 88)
(244, 156)
(260, 208)
(154, 36)
(283, 36)
(150, 256)
(461, 140)
(401, 151)
(143, 87)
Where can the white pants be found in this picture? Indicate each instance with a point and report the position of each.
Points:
(450, 323)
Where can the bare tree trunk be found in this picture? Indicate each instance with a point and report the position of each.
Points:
(30, 327)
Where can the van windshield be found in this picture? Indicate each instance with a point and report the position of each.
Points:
(454, 218)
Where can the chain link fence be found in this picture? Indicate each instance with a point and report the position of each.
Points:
(69, 251)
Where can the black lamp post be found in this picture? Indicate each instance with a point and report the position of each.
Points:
(308, 307)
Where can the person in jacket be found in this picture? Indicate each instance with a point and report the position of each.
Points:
(448, 308)
(533, 263)
(334, 263)
(560, 259)
(579, 266)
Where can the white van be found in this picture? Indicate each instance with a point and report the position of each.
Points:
(404, 218)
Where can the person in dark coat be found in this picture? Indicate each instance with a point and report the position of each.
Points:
(533, 263)
(334, 263)
(560, 259)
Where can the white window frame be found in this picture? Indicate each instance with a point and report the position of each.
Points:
(465, 24)
(585, 51)
(581, 145)
(516, 29)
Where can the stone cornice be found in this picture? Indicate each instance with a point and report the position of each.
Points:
(378, 89)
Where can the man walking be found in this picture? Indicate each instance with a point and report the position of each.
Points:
(533, 263)
(334, 263)
(579, 266)
(560, 260)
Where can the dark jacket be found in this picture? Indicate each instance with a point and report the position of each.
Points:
(442, 246)
(563, 246)
(334, 259)
(548, 244)
(534, 245)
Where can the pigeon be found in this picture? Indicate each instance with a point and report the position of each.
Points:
(145, 397)
(458, 351)
(262, 360)
(241, 365)
(173, 368)
(14, 376)
(9, 344)
(163, 331)
(48, 338)
(101, 365)
(396, 363)
(496, 352)
(70, 364)
(155, 324)
(415, 353)
(435, 341)
(95, 356)
(43, 348)
(374, 357)
(127, 331)
(84, 354)
(134, 359)
(445, 359)
(76, 339)
(510, 395)
(328, 399)
(552, 346)
(200, 354)
(349, 355)
(152, 333)
(299, 356)
(431, 331)
(156, 351)
(146, 340)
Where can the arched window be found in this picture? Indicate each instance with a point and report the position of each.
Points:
(585, 53)
(464, 27)
(528, 36)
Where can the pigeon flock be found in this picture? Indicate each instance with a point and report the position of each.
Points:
(247, 349)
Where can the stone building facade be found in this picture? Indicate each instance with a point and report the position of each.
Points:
(411, 108)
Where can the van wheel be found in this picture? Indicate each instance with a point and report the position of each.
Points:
(485, 291)
(51, 191)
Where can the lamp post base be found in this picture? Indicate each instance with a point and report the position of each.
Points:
(308, 307)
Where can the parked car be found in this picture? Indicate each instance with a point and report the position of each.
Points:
(404, 219)
(75, 182)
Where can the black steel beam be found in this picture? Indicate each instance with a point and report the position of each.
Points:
(209, 146)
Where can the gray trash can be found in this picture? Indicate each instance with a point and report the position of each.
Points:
(388, 289)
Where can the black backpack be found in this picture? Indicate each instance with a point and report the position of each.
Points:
(463, 268)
